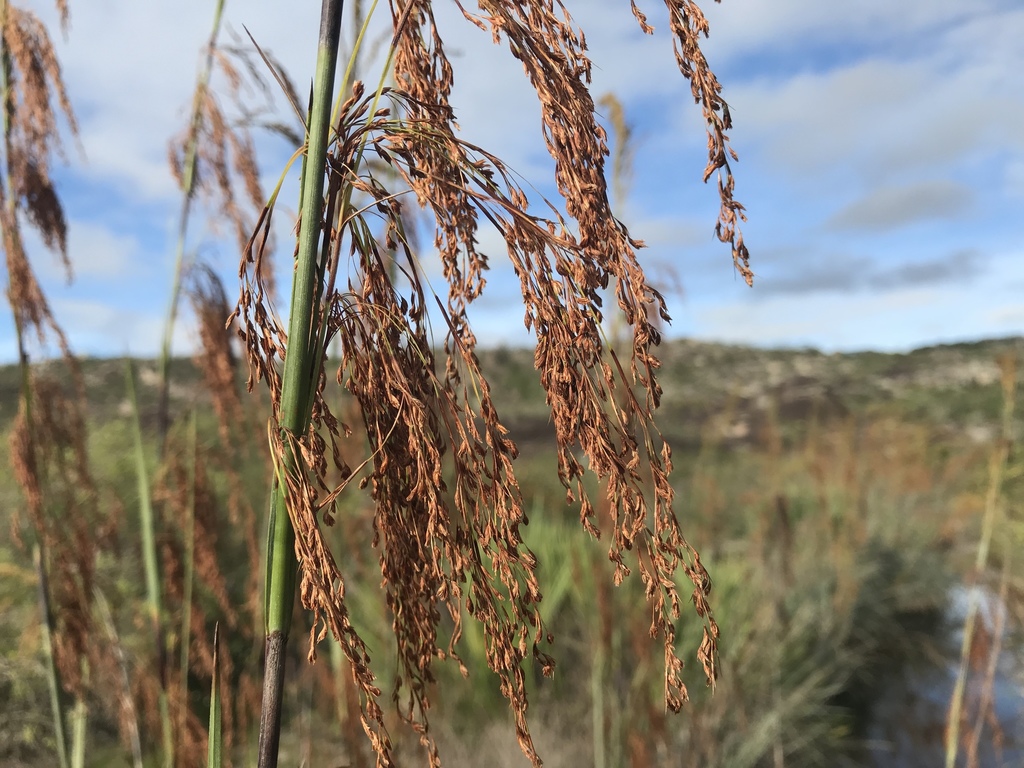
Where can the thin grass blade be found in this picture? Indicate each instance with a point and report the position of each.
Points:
(215, 751)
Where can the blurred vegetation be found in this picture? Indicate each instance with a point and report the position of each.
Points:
(835, 500)
(952, 387)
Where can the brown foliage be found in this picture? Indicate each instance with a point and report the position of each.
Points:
(190, 502)
(688, 24)
(48, 451)
(50, 464)
(448, 508)
(222, 140)
(215, 357)
(33, 97)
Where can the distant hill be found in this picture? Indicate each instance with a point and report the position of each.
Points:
(953, 386)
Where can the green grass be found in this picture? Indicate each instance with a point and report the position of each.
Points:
(816, 623)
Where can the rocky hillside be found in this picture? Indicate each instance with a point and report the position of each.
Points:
(731, 390)
(734, 390)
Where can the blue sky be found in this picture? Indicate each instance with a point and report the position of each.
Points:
(881, 163)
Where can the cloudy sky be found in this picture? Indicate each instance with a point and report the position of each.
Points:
(881, 163)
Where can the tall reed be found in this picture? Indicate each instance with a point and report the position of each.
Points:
(993, 512)
(301, 371)
(57, 695)
(213, 161)
(48, 439)
(449, 529)
(151, 571)
(449, 513)
(188, 184)
(215, 749)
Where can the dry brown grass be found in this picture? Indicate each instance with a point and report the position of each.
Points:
(439, 467)
(48, 438)
(33, 98)
(226, 174)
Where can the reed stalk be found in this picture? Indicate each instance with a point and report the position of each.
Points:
(189, 536)
(215, 745)
(80, 724)
(29, 308)
(597, 712)
(188, 183)
(129, 716)
(151, 567)
(301, 370)
(52, 673)
(993, 507)
(985, 713)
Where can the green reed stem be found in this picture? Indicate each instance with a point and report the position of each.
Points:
(52, 673)
(215, 745)
(151, 566)
(80, 723)
(188, 180)
(190, 555)
(301, 371)
(127, 704)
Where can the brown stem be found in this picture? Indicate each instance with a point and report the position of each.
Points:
(273, 687)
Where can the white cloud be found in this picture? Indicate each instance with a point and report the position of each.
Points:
(742, 27)
(1013, 181)
(897, 316)
(893, 206)
(97, 250)
(97, 327)
(130, 69)
(102, 252)
(838, 321)
(1007, 316)
(908, 106)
